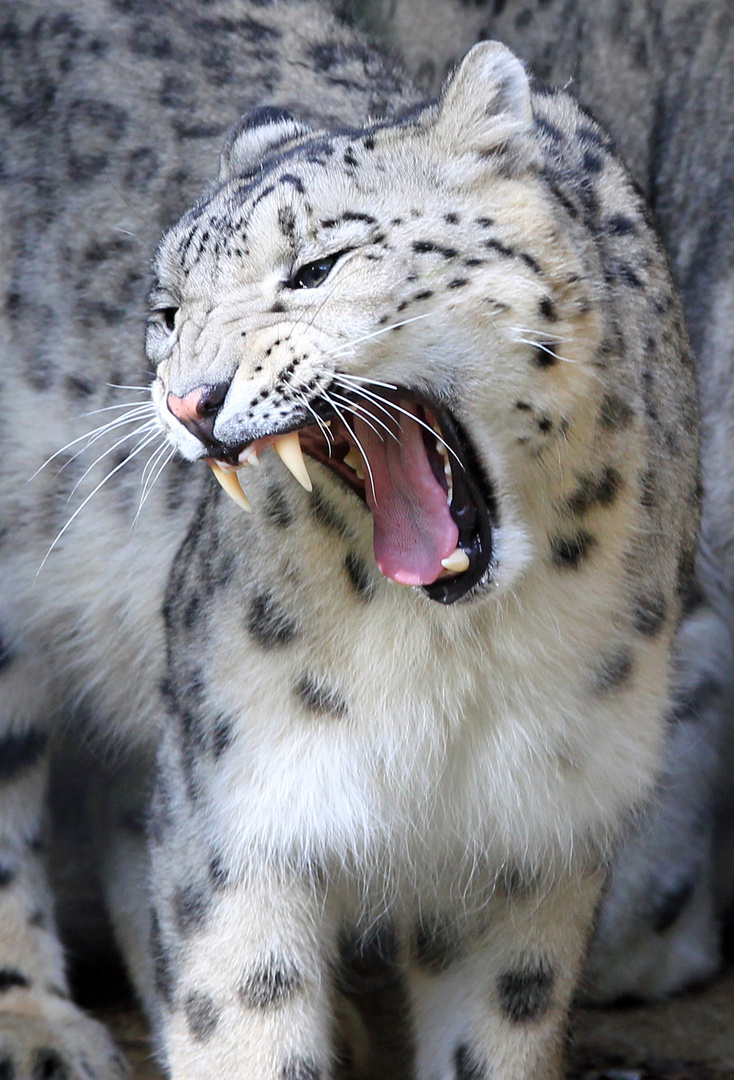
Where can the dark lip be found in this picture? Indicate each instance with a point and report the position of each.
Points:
(474, 509)
(473, 506)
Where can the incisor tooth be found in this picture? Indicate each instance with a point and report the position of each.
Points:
(288, 449)
(249, 456)
(231, 485)
(457, 562)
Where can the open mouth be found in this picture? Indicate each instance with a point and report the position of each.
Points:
(410, 462)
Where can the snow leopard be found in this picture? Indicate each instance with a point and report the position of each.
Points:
(409, 687)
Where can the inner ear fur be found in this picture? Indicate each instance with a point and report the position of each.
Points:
(486, 100)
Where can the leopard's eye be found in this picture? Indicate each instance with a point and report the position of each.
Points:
(313, 274)
(168, 317)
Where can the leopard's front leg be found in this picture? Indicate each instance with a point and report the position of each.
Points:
(243, 953)
(492, 1000)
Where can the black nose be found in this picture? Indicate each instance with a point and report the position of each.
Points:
(198, 409)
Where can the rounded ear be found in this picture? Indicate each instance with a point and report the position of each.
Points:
(256, 135)
(486, 100)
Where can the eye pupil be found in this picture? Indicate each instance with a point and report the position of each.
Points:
(311, 275)
(169, 318)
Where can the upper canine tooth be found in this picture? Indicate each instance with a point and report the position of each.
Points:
(288, 449)
(230, 483)
(457, 562)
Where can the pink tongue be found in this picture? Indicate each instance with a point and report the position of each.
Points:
(413, 526)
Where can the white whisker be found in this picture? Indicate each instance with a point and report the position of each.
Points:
(383, 330)
(90, 496)
(153, 475)
(352, 405)
(150, 464)
(122, 405)
(382, 404)
(100, 433)
(121, 386)
(166, 461)
(340, 414)
(364, 379)
(107, 429)
(136, 413)
(547, 334)
(151, 425)
(542, 345)
(324, 428)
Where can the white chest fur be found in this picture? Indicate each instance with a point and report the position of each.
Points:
(382, 730)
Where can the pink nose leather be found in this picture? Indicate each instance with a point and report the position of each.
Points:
(187, 407)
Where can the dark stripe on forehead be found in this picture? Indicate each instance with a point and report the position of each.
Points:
(321, 145)
(294, 181)
(243, 190)
(316, 148)
(259, 198)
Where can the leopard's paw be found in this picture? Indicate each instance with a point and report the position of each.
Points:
(43, 1037)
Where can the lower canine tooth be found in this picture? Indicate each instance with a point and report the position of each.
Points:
(231, 485)
(288, 449)
(354, 461)
(457, 562)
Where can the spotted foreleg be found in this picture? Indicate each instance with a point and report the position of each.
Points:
(494, 1003)
(243, 953)
(249, 992)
